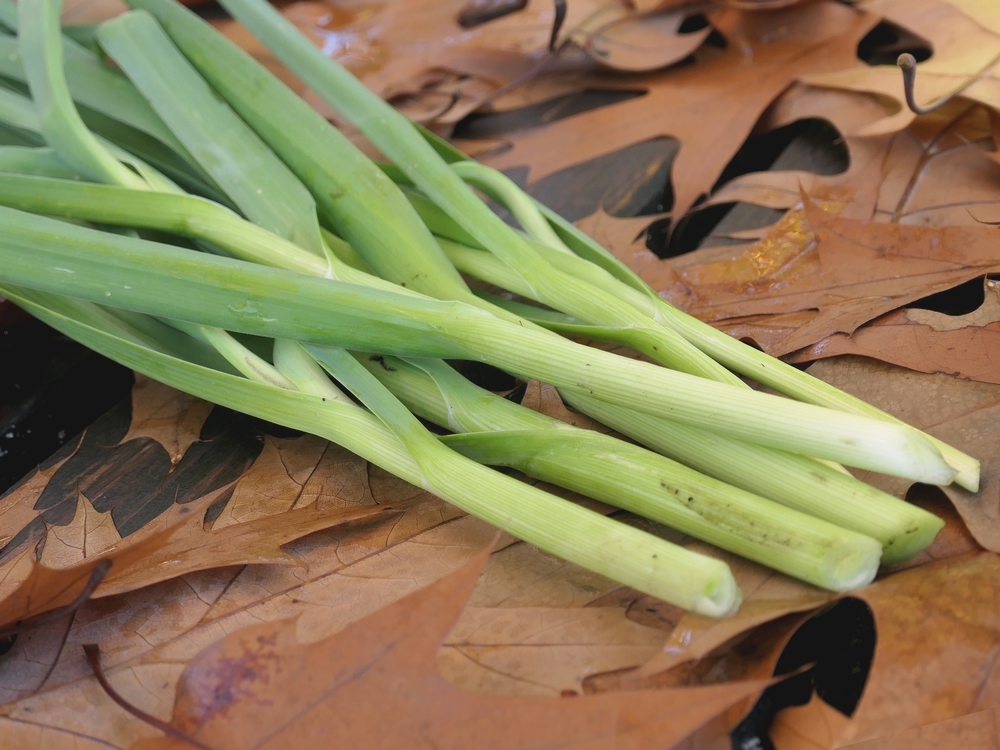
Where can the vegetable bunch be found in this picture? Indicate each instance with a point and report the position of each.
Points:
(188, 215)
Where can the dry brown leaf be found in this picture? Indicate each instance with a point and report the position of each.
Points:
(711, 106)
(814, 726)
(638, 42)
(556, 648)
(979, 730)
(417, 54)
(960, 412)
(374, 685)
(545, 399)
(148, 635)
(171, 418)
(287, 493)
(967, 346)
(43, 589)
(964, 52)
(940, 171)
(938, 641)
(767, 596)
(816, 274)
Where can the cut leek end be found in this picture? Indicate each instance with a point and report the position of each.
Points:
(721, 596)
(919, 460)
(691, 580)
(966, 467)
(851, 564)
(968, 481)
(916, 535)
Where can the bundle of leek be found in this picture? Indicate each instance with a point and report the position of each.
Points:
(203, 225)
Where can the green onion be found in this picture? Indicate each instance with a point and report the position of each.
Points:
(732, 353)
(237, 296)
(499, 432)
(201, 119)
(41, 50)
(353, 195)
(29, 160)
(638, 559)
(294, 272)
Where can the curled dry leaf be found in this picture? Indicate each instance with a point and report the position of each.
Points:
(813, 726)
(374, 685)
(965, 56)
(45, 589)
(438, 61)
(638, 42)
(980, 730)
(940, 171)
(938, 646)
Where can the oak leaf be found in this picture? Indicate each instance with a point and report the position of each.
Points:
(938, 646)
(290, 497)
(710, 106)
(965, 346)
(374, 685)
(816, 274)
(962, 413)
(966, 52)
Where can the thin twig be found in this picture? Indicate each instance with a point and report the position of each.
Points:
(908, 64)
(93, 653)
(557, 23)
(553, 53)
(96, 576)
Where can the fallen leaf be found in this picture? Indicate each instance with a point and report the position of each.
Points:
(980, 730)
(545, 399)
(557, 648)
(962, 413)
(926, 341)
(938, 641)
(171, 418)
(814, 726)
(44, 589)
(639, 42)
(767, 596)
(940, 171)
(964, 53)
(722, 95)
(816, 274)
(374, 685)
(294, 488)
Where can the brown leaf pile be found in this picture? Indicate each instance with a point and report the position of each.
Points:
(254, 588)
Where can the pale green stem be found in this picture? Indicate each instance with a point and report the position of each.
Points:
(40, 39)
(237, 296)
(505, 191)
(41, 162)
(500, 432)
(562, 528)
(255, 179)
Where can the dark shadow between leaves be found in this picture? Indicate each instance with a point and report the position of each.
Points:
(840, 644)
(887, 41)
(959, 300)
